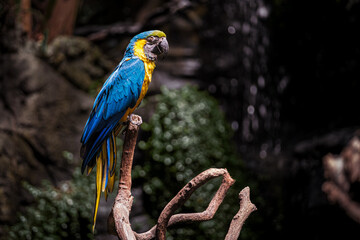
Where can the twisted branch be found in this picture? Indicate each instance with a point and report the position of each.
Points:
(167, 218)
(118, 221)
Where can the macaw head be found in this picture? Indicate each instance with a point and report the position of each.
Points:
(148, 45)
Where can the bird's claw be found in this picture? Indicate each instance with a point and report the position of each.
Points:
(135, 119)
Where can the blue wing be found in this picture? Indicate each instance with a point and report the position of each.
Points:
(120, 92)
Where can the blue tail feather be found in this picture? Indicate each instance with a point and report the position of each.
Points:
(93, 146)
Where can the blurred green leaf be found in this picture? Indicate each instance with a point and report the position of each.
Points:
(63, 212)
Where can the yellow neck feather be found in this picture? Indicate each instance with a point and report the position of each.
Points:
(149, 68)
(148, 64)
(139, 50)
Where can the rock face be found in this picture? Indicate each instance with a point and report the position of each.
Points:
(82, 63)
(42, 116)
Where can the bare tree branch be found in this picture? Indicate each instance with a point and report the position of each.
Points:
(336, 194)
(183, 196)
(246, 208)
(118, 221)
(167, 219)
(119, 216)
(341, 172)
(153, 16)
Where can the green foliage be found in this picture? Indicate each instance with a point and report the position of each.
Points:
(189, 134)
(58, 213)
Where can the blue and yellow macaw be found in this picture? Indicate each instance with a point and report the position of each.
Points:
(120, 95)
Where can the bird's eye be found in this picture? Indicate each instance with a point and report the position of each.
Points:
(151, 39)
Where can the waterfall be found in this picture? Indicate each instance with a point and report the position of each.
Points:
(235, 60)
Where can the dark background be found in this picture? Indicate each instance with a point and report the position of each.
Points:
(286, 74)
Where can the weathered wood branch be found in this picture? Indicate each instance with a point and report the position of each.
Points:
(118, 221)
(152, 16)
(184, 194)
(337, 195)
(119, 216)
(341, 172)
(167, 219)
(246, 208)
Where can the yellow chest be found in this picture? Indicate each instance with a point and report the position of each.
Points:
(149, 68)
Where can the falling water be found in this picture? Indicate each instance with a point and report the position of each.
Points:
(235, 59)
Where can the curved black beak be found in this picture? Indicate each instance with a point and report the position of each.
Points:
(162, 47)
